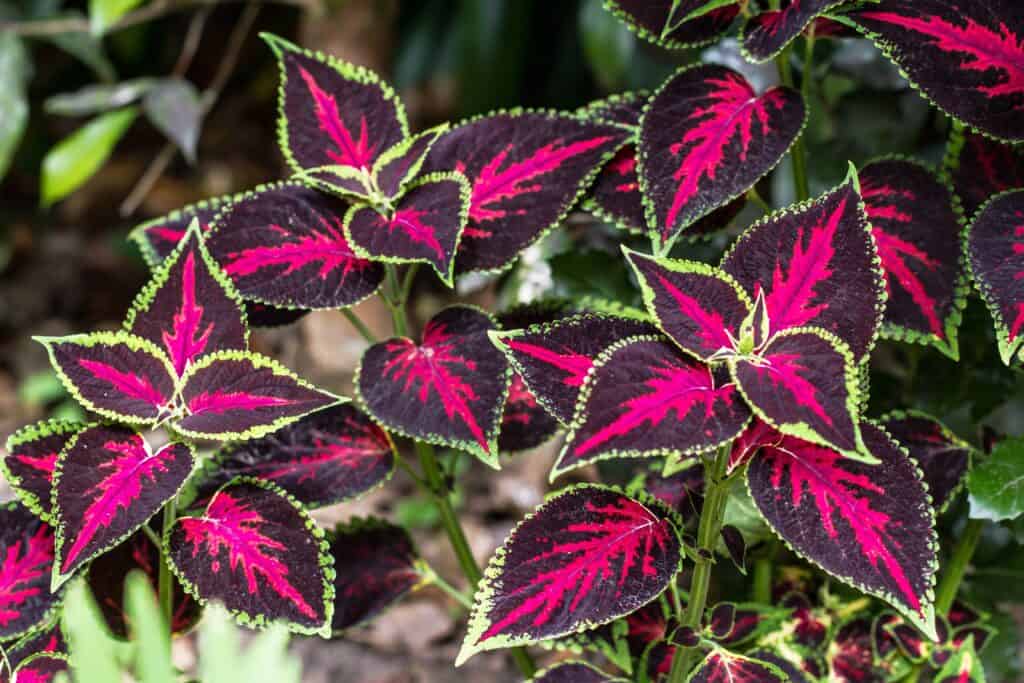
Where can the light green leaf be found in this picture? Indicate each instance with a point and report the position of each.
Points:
(265, 660)
(996, 484)
(104, 13)
(77, 157)
(94, 653)
(151, 635)
(14, 73)
(96, 98)
(84, 47)
(173, 106)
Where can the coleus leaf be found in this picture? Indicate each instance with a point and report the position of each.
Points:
(736, 546)
(766, 34)
(585, 557)
(808, 626)
(721, 666)
(262, 315)
(448, 390)
(851, 657)
(623, 108)
(158, 237)
(574, 672)
(943, 457)
(818, 267)
(107, 483)
(649, 19)
(259, 553)
(331, 456)
(334, 117)
(869, 525)
(705, 138)
(375, 565)
(526, 171)
(554, 358)
(47, 639)
(237, 395)
(789, 670)
(400, 165)
(995, 255)
(188, 308)
(804, 385)
(917, 233)
(683, 490)
(909, 640)
(964, 666)
(643, 398)
(107, 574)
(425, 225)
(284, 245)
(26, 559)
(30, 459)
(524, 423)
(966, 56)
(115, 374)
(735, 624)
(41, 668)
(982, 168)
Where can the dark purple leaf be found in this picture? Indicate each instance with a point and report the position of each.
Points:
(188, 308)
(982, 168)
(725, 667)
(573, 672)
(399, 166)
(26, 560)
(375, 565)
(648, 19)
(46, 639)
(961, 614)
(448, 390)
(766, 34)
(107, 574)
(966, 56)
(869, 525)
(733, 624)
(158, 237)
(585, 557)
(262, 315)
(554, 358)
(31, 456)
(524, 423)
(233, 395)
(256, 551)
(808, 624)
(107, 483)
(114, 374)
(683, 491)
(621, 108)
(910, 641)
(759, 433)
(942, 456)
(526, 171)
(788, 669)
(425, 225)
(41, 668)
(284, 245)
(995, 254)
(644, 398)
(705, 138)
(333, 455)
(918, 236)
(851, 657)
(818, 266)
(736, 545)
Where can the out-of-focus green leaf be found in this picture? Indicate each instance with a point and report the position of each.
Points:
(996, 485)
(85, 47)
(95, 655)
(151, 635)
(607, 44)
(265, 660)
(41, 388)
(173, 106)
(93, 99)
(76, 158)
(104, 13)
(14, 74)
(589, 272)
(1001, 656)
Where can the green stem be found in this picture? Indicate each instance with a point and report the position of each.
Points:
(763, 580)
(451, 590)
(797, 154)
(165, 584)
(359, 325)
(397, 306)
(715, 498)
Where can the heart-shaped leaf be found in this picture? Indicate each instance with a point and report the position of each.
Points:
(699, 307)
(448, 390)
(334, 114)
(425, 224)
(554, 358)
(818, 267)
(30, 460)
(650, 18)
(721, 665)
(107, 574)
(966, 56)
(526, 171)
(524, 424)
(585, 557)
(236, 395)
(115, 374)
(284, 245)
(995, 255)
(255, 550)
(705, 138)
(917, 233)
(400, 165)
(766, 34)
(333, 455)
(188, 308)
(26, 559)
(871, 526)
(643, 398)
(573, 672)
(804, 384)
(982, 168)
(108, 483)
(375, 566)
(942, 456)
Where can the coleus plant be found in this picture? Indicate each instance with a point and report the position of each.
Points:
(733, 389)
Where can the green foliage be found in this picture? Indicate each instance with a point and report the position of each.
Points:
(607, 44)
(174, 107)
(76, 158)
(104, 13)
(996, 485)
(14, 74)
